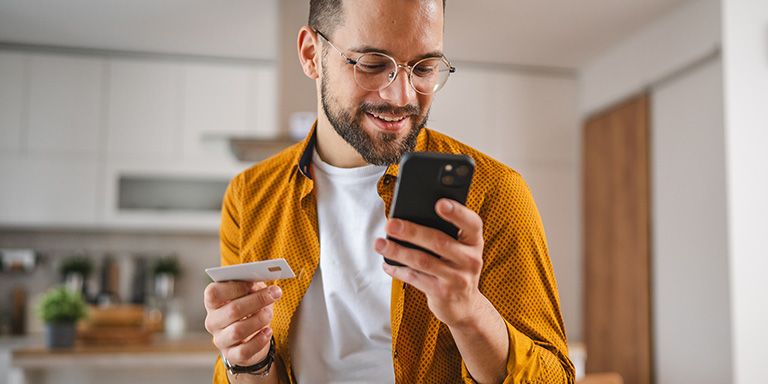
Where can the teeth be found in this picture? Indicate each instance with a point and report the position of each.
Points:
(389, 119)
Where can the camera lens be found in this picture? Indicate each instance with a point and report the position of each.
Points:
(462, 170)
(447, 180)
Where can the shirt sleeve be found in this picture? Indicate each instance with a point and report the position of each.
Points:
(229, 232)
(229, 237)
(220, 372)
(519, 280)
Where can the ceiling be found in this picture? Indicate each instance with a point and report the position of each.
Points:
(231, 28)
(554, 33)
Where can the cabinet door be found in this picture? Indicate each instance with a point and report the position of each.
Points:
(222, 100)
(11, 100)
(45, 192)
(266, 99)
(64, 104)
(144, 109)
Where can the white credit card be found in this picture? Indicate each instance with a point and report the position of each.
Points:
(267, 270)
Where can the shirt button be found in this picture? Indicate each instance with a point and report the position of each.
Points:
(386, 181)
(395, 354)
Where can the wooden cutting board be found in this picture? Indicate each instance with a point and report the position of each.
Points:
(114, 336)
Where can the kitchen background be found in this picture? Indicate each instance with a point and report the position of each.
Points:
(121, 123)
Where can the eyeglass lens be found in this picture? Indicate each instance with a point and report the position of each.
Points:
(375, 71)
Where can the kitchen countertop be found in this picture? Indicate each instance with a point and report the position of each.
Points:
(192, 350)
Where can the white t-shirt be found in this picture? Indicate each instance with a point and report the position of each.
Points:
(343, 332)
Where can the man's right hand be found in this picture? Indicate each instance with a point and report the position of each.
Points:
(238, 317)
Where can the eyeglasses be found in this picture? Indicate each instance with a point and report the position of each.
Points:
(375, 71)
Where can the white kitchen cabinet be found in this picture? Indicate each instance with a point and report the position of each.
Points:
(144, 113)
(124, 142)
(12, 77)
(64, 104)
(38, 191)
(166, 196)
(267, 101)
(223, 100)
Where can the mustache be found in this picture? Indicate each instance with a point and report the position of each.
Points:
(409, 109)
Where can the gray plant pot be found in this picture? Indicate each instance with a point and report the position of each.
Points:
(60, 335)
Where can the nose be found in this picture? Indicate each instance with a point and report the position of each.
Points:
(399, 92)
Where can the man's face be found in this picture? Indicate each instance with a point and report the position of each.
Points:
(381, 125)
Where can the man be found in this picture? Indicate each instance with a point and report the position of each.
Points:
(487, 311)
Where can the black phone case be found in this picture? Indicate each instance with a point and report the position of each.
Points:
(419, 187)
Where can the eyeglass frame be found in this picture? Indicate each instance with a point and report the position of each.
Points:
(406, 67)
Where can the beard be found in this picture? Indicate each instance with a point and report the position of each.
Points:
(383, 149)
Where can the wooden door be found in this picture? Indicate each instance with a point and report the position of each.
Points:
(616, 241)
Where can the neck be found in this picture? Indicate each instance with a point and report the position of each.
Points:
(333, 149)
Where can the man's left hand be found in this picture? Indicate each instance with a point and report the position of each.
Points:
(451, 281)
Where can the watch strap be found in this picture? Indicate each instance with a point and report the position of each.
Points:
(260, 369)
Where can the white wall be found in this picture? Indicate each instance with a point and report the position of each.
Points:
(745, 59)
(686, 34)
(690, 281)
(529, 121)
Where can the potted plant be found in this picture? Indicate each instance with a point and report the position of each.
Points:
(166, 270)
(60, 309)
(75, 271)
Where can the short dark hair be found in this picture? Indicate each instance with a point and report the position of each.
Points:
(326, 15)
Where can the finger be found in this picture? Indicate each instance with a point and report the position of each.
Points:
(421, 281)
(468, 221)
(243, 354)
(237, 332)
(218, 294)
(431, 239)
(240, 308)
(257, 285)
(413, 258)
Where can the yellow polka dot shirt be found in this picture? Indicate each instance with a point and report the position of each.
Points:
(269, 212)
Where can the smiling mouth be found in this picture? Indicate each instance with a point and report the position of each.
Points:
(389, 119)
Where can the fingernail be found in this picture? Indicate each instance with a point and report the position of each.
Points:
(267, 332)
(275, 292)
(395, 226)
(446, 206)
(379, 245)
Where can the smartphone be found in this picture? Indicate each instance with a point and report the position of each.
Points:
(424, 178)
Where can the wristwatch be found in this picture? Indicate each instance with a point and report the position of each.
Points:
(259, 369)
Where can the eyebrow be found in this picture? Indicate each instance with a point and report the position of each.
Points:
(370, 49)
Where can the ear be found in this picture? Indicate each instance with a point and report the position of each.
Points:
(309, 52)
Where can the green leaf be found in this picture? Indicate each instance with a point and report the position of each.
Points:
(59, 305)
